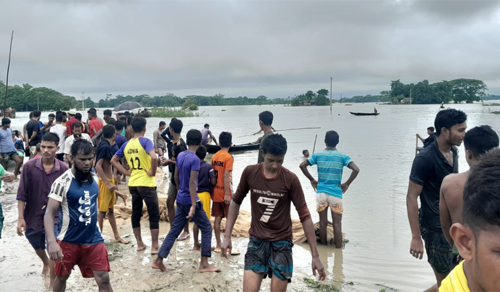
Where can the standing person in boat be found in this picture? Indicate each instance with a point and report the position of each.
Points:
(427, 173)
(477, 142)
(429, 140)
(273, 189)
(265, 123)
(375, 110)
(329, 187)
(207, 136)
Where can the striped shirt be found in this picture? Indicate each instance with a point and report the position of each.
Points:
(330, 167)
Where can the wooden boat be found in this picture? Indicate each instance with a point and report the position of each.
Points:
(243, 147)
(365, 114)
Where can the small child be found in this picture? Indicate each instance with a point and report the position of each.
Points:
(206, 183)
(38, 151)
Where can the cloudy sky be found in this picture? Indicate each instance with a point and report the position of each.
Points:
(275, 48)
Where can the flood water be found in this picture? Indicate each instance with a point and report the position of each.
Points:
(375, 220)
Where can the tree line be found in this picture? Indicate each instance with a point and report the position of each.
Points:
(319, 97)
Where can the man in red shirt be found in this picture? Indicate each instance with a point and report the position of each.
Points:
(94, 124)
(72, 119)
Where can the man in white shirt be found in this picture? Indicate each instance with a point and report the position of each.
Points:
(76, 128)
(60, 131)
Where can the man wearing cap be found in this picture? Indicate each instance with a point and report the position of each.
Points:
(72, 120)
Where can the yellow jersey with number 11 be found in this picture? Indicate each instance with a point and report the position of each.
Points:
(136, 153)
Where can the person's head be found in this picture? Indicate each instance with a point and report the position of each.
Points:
(51, 118)
(92, 114)
(59, 118)
(175, 126)
(31, 115)
(37, 114)
(206, 126)
(65, 117)
(430, 131)
(225, 139)
(478, 238)
(478, 141)
(201, 152)
(49, 145)
(107, 114)
(111, 121)
(129, 120)
(38, 149)
(274, 149)
(78, 116)
(139, 125)
(193, 137)
(109, 132)
(265, 118)
(58, 112)
(119, 125)
(16, 133)
(82, 155)
(450, 126)
(331, 138)
(305, 152)
(162, 125)
(6, 123)
(76, 128)
(123, 119)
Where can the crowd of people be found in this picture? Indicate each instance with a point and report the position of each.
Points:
(65, 194)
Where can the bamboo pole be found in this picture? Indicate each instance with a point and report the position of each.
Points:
(284, 130)
(416, 146)
(7, 79)
(314, 147)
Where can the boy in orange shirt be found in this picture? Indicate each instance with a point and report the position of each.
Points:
(222, 163)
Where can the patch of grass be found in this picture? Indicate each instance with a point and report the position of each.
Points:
(168, 112)
(496, 113)
(385, 288)
(320, 287)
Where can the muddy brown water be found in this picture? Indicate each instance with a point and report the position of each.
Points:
(375, 220)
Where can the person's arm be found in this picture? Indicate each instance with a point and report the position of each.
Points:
(55, 251)
(227, 187)
(115, 161)
(213, 138)
(355, 171)
(416, 247)
(303, 166)
(211, 175)
(154, 163)
(193, 178)
(34, 133)
(21, 224)
(155, 139)
(22, 197)
(421, 139)
(102, 175)
(444, 212)
(257, 133)
(164, 135)
(176, 177)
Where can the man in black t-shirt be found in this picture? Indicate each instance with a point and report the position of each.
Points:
(429, 140)
(34, 135)
(427, 173)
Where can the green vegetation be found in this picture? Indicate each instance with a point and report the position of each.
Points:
(383, 97)
(320, 287)
(496, 113)
(491, 97)
(189, 104)
(168, 112)
(385, 288)
(311, 98)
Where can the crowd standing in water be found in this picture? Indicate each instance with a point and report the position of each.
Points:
(458, 219)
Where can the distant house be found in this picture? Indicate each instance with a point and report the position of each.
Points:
(406, 100)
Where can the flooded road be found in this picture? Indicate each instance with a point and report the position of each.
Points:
(375, 220)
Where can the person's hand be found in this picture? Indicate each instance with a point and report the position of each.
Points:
(317, 266)
(191, 212)
(418, 136)
(21, 227)
(110, 186)
(55, 252)
(417, 248)
(8, 177)
(344, 187)
(227, 199)
(150, 172)
(226, 247)
(314, 184)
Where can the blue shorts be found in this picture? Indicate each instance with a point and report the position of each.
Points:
(38, 239)
(270, 257)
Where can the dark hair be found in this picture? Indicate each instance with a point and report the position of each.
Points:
(51, 137)
(37, 113)
(138, 124)
(176, 126)
(129, 120)
(107, 112)
(111, 121)
(162, 123)
(447, 118)
(78, 116)
(206, 125)
(201, 152)
(52, 116)
(64, 114)
(266, 117)
(119, 125)
(225, 139)
(92, 109)
(274, 144)
(481, 203)
(193, 137)
(123, 119)
(430, 129)
(38, 147)
(332, 138)
(92, 112)
(58, 112)
(76, 125)
(59, 117)
(31, 115)
(304, 151)
(108, 131)
(480, 139)
(81, 146)
(5, 121)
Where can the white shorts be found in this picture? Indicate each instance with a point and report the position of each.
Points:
(324, 201)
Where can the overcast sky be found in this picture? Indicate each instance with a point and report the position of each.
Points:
(233, 47)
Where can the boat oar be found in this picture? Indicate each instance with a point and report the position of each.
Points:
(314, 147)
(294, 129)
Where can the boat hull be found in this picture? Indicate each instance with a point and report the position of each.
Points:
(365, 114)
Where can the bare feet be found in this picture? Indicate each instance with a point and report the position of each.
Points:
(185, 235)
(154, 250)
(141, 247)
(159, 266)
(121, 240)
(124, 198)
(197, 248)
(209, 269)
(45, 271)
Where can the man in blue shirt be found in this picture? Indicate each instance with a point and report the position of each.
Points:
(7, 149)
(188, 206)
(328, 187)
(75, 194)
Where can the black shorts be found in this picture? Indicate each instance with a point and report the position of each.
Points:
(270, 257)
(439, 253)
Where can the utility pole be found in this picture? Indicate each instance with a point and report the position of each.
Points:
(331, 81)
(83, 101)
(38, 101)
